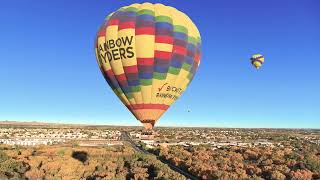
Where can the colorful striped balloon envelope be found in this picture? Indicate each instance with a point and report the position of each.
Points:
(148, 54)
(257, 60)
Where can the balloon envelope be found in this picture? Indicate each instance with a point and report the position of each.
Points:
(148, 54)
(257, 60)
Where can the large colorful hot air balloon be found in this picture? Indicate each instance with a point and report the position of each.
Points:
(257, 60)
(148, 54)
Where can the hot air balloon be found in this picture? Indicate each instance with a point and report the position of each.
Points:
(148, 54)
(257, 60)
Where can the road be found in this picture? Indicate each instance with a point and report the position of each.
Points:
(126, 137)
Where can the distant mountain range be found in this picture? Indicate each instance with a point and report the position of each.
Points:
(7, 123)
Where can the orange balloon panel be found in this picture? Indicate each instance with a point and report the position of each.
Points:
(148, 54)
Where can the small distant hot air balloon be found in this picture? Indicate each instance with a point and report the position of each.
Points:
(257, 60)
(148, 54)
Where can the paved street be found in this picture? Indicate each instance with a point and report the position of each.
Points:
(126, 137)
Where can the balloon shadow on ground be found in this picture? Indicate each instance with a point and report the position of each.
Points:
(80, 155)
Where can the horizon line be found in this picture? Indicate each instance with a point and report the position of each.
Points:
(160, 126)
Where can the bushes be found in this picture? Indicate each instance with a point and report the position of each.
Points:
(312, 162)
(245, 163)
(10, 168)
(55, 162)
(61, 152)
(51, 162)
(3, 156)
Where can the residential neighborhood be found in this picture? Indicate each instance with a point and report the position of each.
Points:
(47, 136)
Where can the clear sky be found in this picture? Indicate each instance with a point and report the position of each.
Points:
(48, 70)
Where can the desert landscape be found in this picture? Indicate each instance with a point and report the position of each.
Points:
(46, 151)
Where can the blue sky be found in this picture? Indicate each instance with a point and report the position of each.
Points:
(48, 70)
